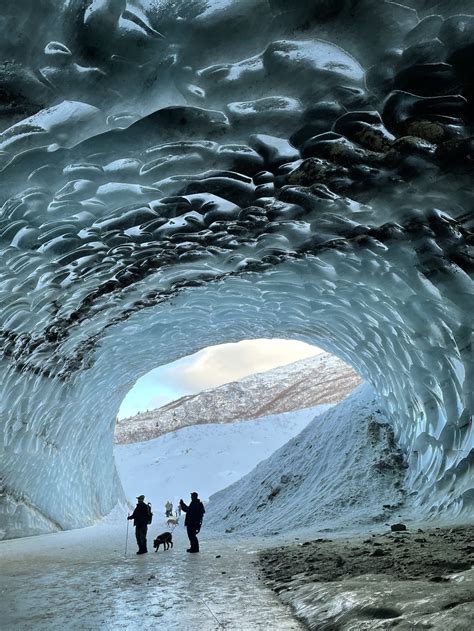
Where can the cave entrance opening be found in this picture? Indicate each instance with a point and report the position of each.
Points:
(206, 420)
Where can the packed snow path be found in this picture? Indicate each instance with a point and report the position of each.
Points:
(81, 580)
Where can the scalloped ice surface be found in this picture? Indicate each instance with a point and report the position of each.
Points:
(181, 174)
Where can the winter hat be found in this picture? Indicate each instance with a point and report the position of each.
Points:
(194, 494)
(141, 497)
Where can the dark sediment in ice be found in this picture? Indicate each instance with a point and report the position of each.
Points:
(415, 578)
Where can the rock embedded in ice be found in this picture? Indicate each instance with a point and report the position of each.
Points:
(398, 527)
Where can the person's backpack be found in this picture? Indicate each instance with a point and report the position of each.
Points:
(150, 514)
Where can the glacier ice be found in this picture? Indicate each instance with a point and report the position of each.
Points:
(181, 174)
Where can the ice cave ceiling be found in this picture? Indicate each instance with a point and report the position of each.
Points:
(176, 174)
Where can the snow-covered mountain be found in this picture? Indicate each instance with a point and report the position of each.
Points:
(309, 382)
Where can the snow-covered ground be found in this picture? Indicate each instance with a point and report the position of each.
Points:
(204, 458)
(81, 579)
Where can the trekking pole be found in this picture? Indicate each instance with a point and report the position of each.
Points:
(220, 624)
(126, 538)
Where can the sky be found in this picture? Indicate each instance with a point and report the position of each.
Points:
(211, 367)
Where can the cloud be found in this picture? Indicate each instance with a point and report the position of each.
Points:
(217, 365)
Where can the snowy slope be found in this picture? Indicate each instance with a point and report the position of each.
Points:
(338, 473)
(205, 458)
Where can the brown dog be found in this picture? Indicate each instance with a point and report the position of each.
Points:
(166, 538)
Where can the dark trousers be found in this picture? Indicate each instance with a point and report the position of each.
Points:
(140, 534)
(193, 540)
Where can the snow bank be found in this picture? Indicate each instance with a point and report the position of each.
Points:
(203, 458)
(337, 473)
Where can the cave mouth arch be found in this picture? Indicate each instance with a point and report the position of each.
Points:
(232, 415)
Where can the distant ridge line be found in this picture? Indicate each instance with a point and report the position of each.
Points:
(306, 383)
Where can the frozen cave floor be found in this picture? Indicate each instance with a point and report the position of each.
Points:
(81, 579)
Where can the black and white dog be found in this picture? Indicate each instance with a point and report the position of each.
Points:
(166, 538)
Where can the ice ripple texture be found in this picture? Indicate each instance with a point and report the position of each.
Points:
(176, 175)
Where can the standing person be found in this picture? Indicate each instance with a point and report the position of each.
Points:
(193, 522)
(140, 518)
(169, 509)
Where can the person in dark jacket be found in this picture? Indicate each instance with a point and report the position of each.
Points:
(193, 522)
(140, 521)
